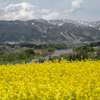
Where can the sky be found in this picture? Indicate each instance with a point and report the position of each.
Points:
(80, 10)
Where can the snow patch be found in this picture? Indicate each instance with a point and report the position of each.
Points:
(32, 23)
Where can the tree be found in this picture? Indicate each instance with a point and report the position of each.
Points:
(29, 52)
(70, 57)
(21, 56)
(73, 57)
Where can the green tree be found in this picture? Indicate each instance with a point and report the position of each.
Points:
(29, 52)
(70, 57)
(21, 56)
(73, 57)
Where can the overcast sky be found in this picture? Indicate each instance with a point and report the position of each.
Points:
(83, 10)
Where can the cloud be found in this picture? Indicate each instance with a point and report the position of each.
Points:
(51, 15)
(76, 4)
(45, 11)
(26, 11)
(19, 11)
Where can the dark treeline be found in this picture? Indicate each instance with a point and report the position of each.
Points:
(88, 48)
(36, 46)
(44, 46)
(94, 44)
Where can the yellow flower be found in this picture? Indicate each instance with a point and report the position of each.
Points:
(51, 80)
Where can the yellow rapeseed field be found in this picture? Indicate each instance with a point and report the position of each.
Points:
(76, 80)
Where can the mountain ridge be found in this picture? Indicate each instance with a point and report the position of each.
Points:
(49, 31)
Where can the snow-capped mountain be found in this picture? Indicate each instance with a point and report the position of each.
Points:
(77, 23)
(52, 31)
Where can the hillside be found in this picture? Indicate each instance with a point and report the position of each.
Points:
(52, 31)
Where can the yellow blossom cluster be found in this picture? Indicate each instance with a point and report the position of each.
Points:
(95, 47)
(64, 80)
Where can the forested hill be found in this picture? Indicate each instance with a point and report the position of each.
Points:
(52, 31)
